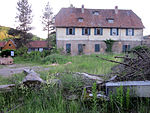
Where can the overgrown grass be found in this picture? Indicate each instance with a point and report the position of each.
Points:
(53, 99)
(85, 63)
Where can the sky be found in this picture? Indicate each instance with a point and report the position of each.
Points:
(8, 11)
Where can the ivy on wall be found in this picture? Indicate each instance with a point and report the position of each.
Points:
(109, 43)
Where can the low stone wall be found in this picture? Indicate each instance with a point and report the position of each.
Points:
(6, 61)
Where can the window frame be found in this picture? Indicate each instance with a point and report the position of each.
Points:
(88, 31)
(117, 31)
(126, 48)
(131, 33)
(68, 31)
(100, 31)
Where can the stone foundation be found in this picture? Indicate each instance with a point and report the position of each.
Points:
(89, 46)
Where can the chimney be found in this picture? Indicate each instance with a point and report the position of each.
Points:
(82, 9)
(71, 6)
(116, 9)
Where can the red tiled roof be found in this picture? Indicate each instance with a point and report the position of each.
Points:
(68, 17)
(2, 44)
(38, 44)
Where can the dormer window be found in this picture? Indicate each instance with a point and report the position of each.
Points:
(110, 20)
(95, 12)
(80, 19)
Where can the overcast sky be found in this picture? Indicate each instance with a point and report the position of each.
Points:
(8, 10)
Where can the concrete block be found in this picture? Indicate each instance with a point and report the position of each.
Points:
(137, 88)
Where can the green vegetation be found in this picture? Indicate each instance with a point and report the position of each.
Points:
(109, 44)
(5, 34)
(54, 99)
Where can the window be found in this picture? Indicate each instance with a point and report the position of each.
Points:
(70, 31)
(40, 49)
(80, 19)
(80, 48)
(95, 12)
(114, 31)
(98, 31)
(86, 31)
(125, 48)
(9, 44)
(110, 20)
(97, 47)
(68, 48)
(129, 32)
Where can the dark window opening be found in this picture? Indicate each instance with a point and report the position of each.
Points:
(97, 47)
(68, 48)
(98, 31)
(9, 44)
(86, 31)
(70, 31)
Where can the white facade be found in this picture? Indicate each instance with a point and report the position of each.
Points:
(61, 35)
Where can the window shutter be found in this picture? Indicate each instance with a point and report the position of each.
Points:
(73, 31)
(126, 32)
(68, 48)
(66, 31)
(95, 31)
(89, 31)
(110, 31)
(128, 47)
(132, 32)
(101, 31)
(123, 48)
(82, 31)
(97, 47)
(117, 31)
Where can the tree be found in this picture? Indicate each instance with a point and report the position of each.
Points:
(24, 17)
(48, 19)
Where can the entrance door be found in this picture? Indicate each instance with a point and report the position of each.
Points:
(80, 48)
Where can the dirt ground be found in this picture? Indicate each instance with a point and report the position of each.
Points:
(8, 70)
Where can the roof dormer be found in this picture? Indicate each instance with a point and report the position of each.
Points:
(80, 19)
(95, 12)
(110, 20)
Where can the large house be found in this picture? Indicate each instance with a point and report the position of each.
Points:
(81, 30)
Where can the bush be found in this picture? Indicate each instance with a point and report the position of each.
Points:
(139, 48)
(55, 58)
(7, 52)
(22, 51)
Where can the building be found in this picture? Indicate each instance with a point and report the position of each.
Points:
(38, 46)
(32, 46)
(81, 30)
(10, 44)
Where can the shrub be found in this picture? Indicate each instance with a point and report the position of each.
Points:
(7, 52)
(109, 43)
(22, 51)
(55, 58)
(139, 48)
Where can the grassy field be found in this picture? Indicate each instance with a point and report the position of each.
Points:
(51, 99)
